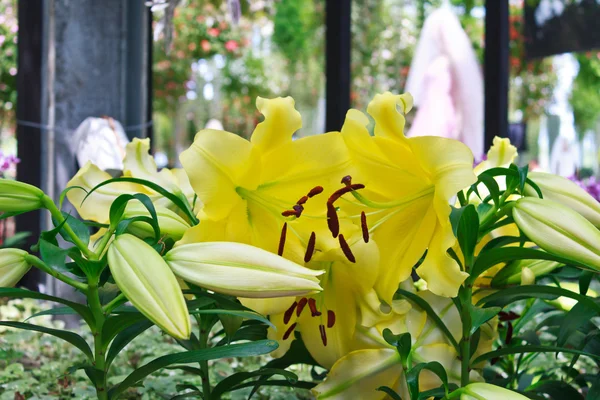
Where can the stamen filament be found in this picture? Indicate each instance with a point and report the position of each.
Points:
(392, 204)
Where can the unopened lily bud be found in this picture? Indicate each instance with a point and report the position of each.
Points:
(170, 223)
(567, 193)
(513, 273)
(19, 197)
(12, 266)
(527, 276)
(241, 270)
(480, 390)
(149, 284)
(558, 230)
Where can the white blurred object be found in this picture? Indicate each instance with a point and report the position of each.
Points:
(214, 124)
(442, 38)
(101, 141)
(565, 157)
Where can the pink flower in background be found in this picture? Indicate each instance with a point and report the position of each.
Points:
(214, 32)
(231, 45)
(205, 45)
(7, 163)
(591, 185)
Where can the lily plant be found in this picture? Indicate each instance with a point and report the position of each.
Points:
(389, 261)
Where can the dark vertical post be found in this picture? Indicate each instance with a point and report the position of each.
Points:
(496, 70)
(29, 108)
(149, 76)
(337, 59)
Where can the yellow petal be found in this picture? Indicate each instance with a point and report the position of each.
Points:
(97, 206)
(501, 154)
(216, 163)
(389, 122)
(360, 373)
(282, 329)
(274, 306)
(439, 270)
(138, 163)
(281, 121)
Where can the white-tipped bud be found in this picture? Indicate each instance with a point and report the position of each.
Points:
(241, 270)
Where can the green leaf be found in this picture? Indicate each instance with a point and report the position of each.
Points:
(492, 187)
(514, 172)
(118, 323)
(467, 231)
(412, 376)
(180, 202)
(70, 337)
(584, 281)
(557, 390)
(16, 293)
(124, 337)
(401, 342)
(297, 354)
(431, 314)
(575, 318)
(80, 229)
(234, 350)
(531, 349)
(390, 392)
(228, 384)
(231, 324)
(236, 313)
(509, 295)
(480, 316)
(246, 332)
(120, 204)
(53, 311)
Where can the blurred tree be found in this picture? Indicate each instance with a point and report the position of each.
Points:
(8, 61)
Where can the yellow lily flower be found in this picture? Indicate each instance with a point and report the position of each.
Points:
(376, 363)
(410, 182)
(137, 164)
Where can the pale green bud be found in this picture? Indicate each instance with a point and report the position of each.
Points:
(19, 197)
(513, 273)
(12, 266)
(171, 224)
(486, 391)
(527, 276)
(567, 193)
(149, 284)
(558, 230)
(241, 270)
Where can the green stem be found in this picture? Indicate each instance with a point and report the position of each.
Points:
(99, 346)
(465, 344)
(36, 262)
(57, 215)
(114, 303)
(104, 242)
(203, 340)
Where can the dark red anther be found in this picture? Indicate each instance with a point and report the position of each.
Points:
(298, 208)
(507, 316)
(323, 334)
(288, 313)
(312, 304)
(340, 192)
(310, 249)
(289, 213)
(346, 249)
(301, 305)
(333, 223)
(330, 318)
(282, 239)
(509, 333)
(315, 191)
(347, 180)
(363, 225)
(289, 331)
(302, 200)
